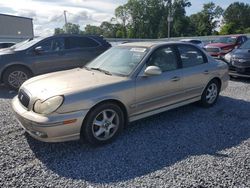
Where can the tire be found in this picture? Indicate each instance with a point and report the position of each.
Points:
(210, 94)
(14, 77)
(98, 129)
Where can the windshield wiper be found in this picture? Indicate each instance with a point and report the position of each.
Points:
(101, 70)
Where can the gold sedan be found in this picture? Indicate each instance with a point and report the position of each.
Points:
(124, 84)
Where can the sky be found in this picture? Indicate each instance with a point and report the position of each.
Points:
(48, 14)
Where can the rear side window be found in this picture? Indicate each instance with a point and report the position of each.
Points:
(80, 42)
(196, 41)
(191, 56)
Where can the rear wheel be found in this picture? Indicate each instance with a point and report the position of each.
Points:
(103, 124)
(210, 94)
(14, 77)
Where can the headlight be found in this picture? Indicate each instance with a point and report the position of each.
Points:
(228, 57)
(48, 106)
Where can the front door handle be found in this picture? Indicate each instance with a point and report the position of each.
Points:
(175, 79)
(206, 72)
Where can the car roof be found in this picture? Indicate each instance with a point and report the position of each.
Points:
(187, 40)
(149, 44)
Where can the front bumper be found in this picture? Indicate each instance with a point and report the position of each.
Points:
(50, 128)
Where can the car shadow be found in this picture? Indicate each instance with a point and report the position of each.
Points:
(240, 79)
(6, 93)
(151, 144)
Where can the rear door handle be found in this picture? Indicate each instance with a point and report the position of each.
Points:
(175, 79)
(206, 72)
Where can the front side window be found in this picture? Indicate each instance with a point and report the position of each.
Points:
(52, 45)
(164, 58)
(190, 56)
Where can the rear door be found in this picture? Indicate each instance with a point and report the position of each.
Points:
(154, 92)
(81, 49)
(196, 70)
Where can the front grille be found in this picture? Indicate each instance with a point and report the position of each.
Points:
(237, 62)
(213, 49)
(24, 98)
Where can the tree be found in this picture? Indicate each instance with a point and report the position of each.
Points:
(71, 28)
(122, 14)
(206, 21)
(93, 30)
(236, 18)
(58, 31)
(181, 21)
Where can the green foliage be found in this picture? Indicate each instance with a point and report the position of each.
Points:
(149, 19)
(72, 28)
(236, 18)
(206, 21)
(58, 31)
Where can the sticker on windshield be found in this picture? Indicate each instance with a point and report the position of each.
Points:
(138, 49)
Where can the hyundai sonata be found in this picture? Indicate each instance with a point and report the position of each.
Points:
(124, 84)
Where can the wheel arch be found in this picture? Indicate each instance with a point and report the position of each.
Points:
(113, 101)
(15, 65)
(214, 78)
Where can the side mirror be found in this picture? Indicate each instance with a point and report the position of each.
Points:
(39, 50)
(152, 71)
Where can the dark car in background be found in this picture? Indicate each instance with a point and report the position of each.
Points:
(42, 55)
(223, 45)
(6, 44)
(239, 60)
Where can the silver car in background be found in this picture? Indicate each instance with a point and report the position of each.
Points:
(124, 84)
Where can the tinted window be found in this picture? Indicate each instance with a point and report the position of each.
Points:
(195, 41)
(52, 45)
(246, 45)
(164, 58)
(80, 42)
(191, 56)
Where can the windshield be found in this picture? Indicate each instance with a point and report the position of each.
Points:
(227, 40)
(26, 44)
(245, 45)
(119, 60)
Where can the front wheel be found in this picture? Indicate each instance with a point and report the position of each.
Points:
(103, 124)
(210, 94)
(14, 77)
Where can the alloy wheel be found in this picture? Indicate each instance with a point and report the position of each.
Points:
(16, 78)
(212, 92)
(105, 125)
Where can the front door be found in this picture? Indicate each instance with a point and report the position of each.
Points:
(48, 56)
(153, 92)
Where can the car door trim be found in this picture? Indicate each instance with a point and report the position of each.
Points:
(164, 108)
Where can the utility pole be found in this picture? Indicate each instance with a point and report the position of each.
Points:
(65, 19)
(170, 18)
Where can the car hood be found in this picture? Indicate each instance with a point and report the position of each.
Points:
(242, 53)
(220, 45)
(6, 51)
(64, 82)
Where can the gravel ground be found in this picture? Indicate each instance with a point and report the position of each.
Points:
(186, 147)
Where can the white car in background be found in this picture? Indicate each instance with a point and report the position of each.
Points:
(194, 41)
